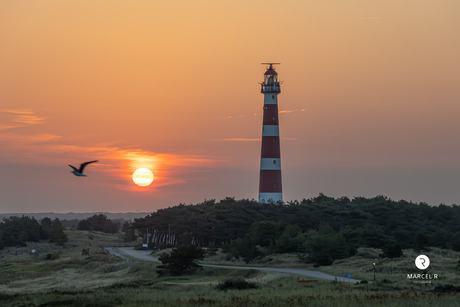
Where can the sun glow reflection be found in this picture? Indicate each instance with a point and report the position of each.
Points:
(143, 177)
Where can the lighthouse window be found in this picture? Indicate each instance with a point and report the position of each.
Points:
(274, 161)
(274, 139)
(274, 185)
(273, 96)
(273, 117)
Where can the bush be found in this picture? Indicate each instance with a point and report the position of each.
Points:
(52, 256)
(326, 245)
(98, 222)
(392, 250)
(181, 260)
(239, 284)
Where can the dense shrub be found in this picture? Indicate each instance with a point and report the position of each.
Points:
(239, 284)
(98, 222)
(52, 256)
(183, 259)
(16, 231)
(392, 250)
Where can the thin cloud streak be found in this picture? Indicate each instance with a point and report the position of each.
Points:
(241, 116)
(19, 118)
(255, 114)
(249, 140)
(236, 140)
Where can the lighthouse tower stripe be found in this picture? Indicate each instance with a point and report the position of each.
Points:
(270, 147)
(270, 114)
(270, 130)
(270, 164)
(270, 181)
(267, 197)
(271, 98)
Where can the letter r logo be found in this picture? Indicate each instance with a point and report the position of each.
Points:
(422, 262)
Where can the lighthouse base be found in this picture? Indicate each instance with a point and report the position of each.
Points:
(270, 197)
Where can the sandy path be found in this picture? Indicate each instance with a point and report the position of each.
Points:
(145, 255)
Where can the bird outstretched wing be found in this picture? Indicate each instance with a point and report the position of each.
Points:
(82, 166)
(74, 168)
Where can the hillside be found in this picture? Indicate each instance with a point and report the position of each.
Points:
(298, 226)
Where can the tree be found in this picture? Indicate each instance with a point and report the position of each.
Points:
(264, 233)
(421, 241)
(290, 240)
(325, 245)
(392, 250)
(130, 233)
(98, 222)
(16, 231)
(57, 234)
(183, 259)
(45, 226)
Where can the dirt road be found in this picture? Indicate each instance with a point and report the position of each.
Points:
(145, 255)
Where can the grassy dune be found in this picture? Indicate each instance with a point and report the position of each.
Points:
(100, 279)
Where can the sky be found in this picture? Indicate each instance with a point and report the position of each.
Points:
(369, 102)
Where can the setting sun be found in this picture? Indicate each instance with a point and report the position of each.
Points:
(143, 177)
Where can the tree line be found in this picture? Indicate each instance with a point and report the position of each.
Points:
(16, 231)
(323, 228)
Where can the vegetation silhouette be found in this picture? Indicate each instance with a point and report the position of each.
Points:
(320, 229)
(98, 222)
(16, 231)
(181, 260)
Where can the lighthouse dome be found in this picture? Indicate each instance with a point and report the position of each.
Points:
(271, 72)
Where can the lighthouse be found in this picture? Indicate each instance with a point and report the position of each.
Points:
(270, 188)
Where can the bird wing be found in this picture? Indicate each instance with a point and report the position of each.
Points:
(74, 168)
(82, 166)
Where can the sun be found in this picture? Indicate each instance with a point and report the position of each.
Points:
(143, 177)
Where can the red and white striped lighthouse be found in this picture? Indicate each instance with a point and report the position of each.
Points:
(270, 188)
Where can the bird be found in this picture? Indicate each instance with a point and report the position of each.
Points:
(79, 172)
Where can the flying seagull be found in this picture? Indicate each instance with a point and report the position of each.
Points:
(79, 172)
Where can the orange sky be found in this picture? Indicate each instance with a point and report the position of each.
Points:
(369, 102)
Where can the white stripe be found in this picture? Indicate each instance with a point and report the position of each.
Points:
(270, 164)
(266, 197)
(268, 99)
(270, 130)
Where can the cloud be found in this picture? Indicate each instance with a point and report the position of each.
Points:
(255, 114)
(29, 139)
(15, 118)
(285, 111)
(236, 140)
(241, 116)
(249, 140)
(6, 126)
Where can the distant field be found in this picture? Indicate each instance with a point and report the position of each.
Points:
(100, 279)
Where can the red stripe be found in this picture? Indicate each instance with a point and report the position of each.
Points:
(270, 117)
(270, 147)
(271, 107)
(268, 180)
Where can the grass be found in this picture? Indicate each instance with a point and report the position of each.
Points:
(281, 292)
(101, 279)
